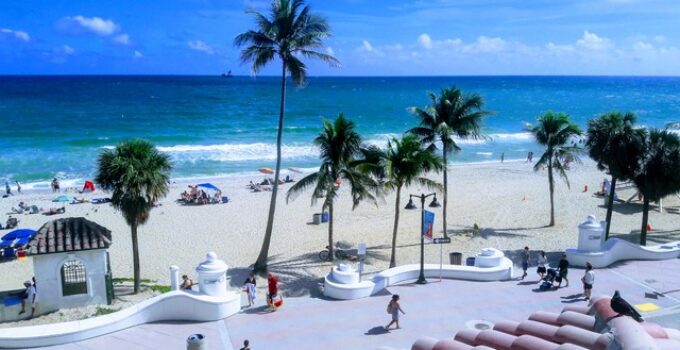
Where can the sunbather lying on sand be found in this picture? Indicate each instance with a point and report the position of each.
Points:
(55, 211)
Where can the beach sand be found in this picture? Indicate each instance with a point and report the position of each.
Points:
(509, 202)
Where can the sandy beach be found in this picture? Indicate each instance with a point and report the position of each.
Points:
(509, 202)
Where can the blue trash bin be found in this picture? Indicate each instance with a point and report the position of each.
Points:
(325, 216)
(470, 261)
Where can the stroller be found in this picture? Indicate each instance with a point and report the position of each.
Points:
(549, 279)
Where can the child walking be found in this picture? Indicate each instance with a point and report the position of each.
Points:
(394, 308)
(588, 279)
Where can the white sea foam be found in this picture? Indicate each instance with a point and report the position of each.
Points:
(486, 154)
(239, 152)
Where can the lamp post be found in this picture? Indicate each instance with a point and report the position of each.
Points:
(411, 206)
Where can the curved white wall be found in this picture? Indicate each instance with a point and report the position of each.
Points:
(616, 249)
(176, 305)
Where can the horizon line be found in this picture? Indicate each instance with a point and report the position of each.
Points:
(345, 76)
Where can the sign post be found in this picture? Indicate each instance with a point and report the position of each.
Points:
(441, 242)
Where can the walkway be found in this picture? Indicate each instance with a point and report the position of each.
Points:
(437, 309)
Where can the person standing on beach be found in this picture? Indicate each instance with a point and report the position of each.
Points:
(588, 279)
(7, 189)
(18, 188)
(273, 289)
(502, 157)
(55, 185)
(31, 296)
(564, 269)
(249, 287)
(394, 308)
(541, 264)
(525, 262)
(530, 157)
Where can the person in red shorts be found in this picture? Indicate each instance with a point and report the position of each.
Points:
(273, 289)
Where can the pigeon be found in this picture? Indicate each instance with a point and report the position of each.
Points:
(623, 308)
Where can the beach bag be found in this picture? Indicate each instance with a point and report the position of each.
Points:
(277, 301)
(545, 285)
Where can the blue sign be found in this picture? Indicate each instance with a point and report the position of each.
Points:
(428, 222)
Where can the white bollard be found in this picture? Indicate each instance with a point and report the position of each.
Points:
(212, 276)
(196, 342)
(174, 277)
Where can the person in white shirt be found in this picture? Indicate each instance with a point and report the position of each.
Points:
(31, 296)
(542, 260)
(588, 279)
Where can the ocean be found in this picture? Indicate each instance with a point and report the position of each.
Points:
(214, 126)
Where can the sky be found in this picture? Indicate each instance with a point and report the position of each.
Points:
(370, 37)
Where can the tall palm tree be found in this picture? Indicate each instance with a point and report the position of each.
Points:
(557, 134)
(451, 114)
(405, 161)
(137, 174)
(615, 144)
(659, 172)
(288, 32)
(339, 146)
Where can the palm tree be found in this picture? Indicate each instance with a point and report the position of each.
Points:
(555, 132)
(405, 161)
(615, 144)
(339, 146)
(451, 114)
(137, 174)
(659, 172)
(289, 31)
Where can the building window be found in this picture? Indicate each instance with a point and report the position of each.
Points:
(73, 278)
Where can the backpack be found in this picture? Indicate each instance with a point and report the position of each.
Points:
(389, 308)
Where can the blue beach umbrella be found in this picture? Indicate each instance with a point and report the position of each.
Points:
(18, 234)
(209, 186)
(63, 198)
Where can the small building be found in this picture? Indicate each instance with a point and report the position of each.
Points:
(70, 264)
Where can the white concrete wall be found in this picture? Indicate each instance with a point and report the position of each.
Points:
(616, 249)
(172, 306)
(47, 269)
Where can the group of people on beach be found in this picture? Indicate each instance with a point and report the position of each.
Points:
(200, 196)
(549, 276)
(266, 183)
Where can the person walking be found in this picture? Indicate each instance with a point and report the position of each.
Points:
(564, 270)
(394, 308)
(588, 279)
(525, 262)
(542, 260)
(249, 287)
(246, 345)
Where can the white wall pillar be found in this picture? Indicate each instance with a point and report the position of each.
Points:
(174, 277)
(212, 276)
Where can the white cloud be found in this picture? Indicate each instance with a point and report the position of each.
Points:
(67, 50)
(425, 41)
(14, 35)
(484, 44)
(329, 50)
(122, 39)
(96, 25)
(659, 38)
(593, 42)
(367, 46)
(138, 54)
(199, 45)
(641, 46)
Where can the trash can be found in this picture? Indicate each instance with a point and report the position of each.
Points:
(196, 342)
(325, 216)
(470, 261)
(316, 219)
(456, 258)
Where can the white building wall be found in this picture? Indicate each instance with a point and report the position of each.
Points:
(47, 270)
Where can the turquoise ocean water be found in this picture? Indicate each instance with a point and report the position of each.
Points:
(211, 126)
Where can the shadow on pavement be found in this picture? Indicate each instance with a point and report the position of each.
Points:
(377, 330)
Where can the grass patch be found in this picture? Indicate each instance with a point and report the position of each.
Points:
(160, 288)
(130, 279)
(104, 311)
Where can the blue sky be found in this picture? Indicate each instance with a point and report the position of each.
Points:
(371, 37)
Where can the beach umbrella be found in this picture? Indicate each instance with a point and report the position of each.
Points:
(209, 186)
(18, 234)
(266, 170)
(63, 198)
(295, 170)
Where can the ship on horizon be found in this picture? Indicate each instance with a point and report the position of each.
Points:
(227, 74)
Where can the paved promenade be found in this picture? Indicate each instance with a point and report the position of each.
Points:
(437, 309)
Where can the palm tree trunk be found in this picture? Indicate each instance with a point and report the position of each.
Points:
(135, 258)
(393, 259)
(610, 207)
(261, 263)
(645, 217)
(552, 193)
(330, 232)
(446, 190)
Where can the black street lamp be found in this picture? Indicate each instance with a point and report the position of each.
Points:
(411, 206)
